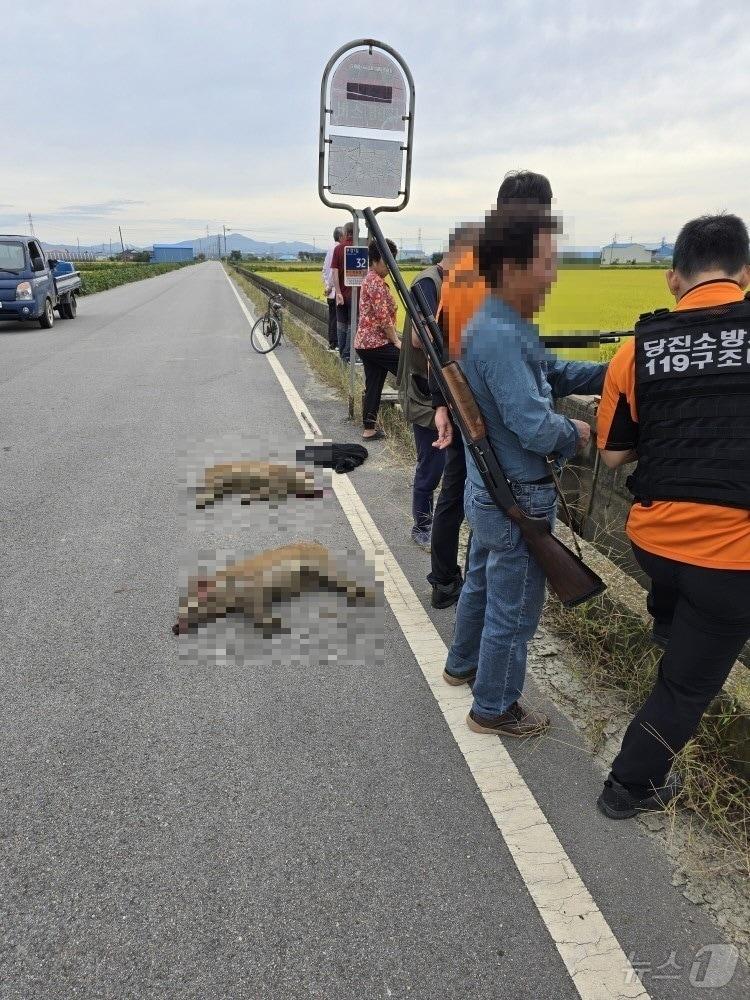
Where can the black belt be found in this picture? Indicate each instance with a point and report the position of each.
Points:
(544, 481)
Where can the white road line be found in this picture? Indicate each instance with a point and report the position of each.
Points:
(599, 968)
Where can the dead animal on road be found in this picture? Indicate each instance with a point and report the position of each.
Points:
(255, 481)
(251, 587)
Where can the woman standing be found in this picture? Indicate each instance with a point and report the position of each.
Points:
(377, 343)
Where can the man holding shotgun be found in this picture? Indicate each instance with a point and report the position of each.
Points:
(514, 381)
(462, 294)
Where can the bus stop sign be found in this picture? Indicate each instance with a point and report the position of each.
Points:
(356, 264)
(366, 125)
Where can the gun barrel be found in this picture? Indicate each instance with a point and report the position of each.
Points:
(581, 339)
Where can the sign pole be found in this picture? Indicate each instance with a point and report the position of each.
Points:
(365, 145)
(353, 323)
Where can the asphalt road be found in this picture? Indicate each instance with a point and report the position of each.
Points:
(224, 818)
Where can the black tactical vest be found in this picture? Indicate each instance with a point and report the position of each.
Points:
(692, 389)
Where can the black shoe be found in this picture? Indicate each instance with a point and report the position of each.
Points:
(446, 595)
(617, 802)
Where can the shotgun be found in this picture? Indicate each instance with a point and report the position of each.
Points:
(568, 576)
(581, 339)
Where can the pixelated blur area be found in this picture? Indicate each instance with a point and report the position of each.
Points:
(253, 483)
(301, 605)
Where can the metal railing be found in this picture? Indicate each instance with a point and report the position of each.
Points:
(315, 314)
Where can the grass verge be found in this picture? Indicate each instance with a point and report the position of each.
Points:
(330, 369)
(616, 653)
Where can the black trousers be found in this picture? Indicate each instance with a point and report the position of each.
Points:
(448, 515)
(710, 625)
(343, 328)
(333, 336)
(377, 362)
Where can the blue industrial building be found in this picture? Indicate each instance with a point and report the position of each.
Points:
(165, 253)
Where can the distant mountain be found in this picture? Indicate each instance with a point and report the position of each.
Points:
(236, 241)
(99, 248)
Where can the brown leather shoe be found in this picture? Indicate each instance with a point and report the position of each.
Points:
(517, 721)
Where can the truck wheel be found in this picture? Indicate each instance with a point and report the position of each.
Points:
(47, 319)
(72, 306)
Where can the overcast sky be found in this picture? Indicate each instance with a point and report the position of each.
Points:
(169, 115)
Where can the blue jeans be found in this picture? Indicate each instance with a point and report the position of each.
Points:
(501, 601)
(430, 462)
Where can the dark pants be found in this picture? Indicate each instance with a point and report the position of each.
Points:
(710, 625)
(343, 330)
(660, 604)
(448, 516)
(377, 362)
(430, 464)
(333, 336)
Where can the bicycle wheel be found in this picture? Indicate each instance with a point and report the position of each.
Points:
(265, 334)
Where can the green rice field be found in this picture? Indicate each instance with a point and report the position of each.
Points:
(582, 299)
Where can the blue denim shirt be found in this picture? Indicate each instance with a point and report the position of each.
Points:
(515, 380)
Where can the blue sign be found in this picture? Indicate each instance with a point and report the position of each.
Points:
(356, 265)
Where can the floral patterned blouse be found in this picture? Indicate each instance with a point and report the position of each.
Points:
(377, 309)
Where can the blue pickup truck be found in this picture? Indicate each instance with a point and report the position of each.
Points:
(33, 286)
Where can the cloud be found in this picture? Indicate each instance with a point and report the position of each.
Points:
(100, 208)
(635, 112)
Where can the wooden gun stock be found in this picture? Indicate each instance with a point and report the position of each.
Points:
(463, 402)
(568, 576)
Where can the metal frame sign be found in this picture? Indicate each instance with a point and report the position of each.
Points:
(364, 145)
(356, 265)
(366, 126)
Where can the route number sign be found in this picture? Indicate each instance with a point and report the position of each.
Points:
(356, 265)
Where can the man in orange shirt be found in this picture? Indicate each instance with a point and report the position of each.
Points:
(677, 399)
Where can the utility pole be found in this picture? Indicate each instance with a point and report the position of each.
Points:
(612, 248)
(208, 244)
(122, 244)
(31, 226)
(225, 240)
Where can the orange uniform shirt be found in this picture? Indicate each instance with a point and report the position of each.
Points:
(462, 293)
(697, 533)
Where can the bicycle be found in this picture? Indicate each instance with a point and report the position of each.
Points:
(265, 335)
